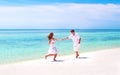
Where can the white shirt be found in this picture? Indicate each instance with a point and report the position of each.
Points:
(75, 38)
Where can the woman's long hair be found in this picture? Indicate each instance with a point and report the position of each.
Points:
(50, 36)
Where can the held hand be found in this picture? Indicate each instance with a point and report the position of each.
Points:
(62, 39)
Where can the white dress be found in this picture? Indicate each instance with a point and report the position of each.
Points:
(52, 48)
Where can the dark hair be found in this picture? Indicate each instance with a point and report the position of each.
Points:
(50, 36)
(72, 30)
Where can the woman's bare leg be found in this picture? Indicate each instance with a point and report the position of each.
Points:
(49, 55)
(55, 57)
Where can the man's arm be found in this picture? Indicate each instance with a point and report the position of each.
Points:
(79, 40)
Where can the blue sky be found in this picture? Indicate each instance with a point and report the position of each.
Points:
(52, 14)
(57, 1)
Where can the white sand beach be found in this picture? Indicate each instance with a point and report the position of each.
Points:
(104, 62)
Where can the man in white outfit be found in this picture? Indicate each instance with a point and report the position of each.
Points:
(76, 41)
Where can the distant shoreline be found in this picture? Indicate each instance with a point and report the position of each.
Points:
(60, 29)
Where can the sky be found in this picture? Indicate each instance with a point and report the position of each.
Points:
(59, 14)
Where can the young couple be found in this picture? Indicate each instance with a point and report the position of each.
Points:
(53, 50)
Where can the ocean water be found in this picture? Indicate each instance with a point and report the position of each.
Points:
(28, 44)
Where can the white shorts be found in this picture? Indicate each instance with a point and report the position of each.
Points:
(77, 47)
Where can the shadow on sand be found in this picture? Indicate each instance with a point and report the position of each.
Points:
(58, 61)
(63, 60)
(83, 58)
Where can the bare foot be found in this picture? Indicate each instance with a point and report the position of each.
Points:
(54, 60)
(77, 56)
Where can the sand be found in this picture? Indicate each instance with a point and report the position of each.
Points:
(103, 62)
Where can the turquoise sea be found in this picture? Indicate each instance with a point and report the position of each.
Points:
(28, 44)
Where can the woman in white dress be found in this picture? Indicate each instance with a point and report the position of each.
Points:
(52, 49)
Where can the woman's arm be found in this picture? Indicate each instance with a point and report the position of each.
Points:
(65, 38)
(57, 39)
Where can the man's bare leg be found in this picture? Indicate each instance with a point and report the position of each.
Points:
(77, 54)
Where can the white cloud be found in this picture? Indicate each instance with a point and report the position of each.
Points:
(60, 16)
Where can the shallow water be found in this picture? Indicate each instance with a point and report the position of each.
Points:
(26, 44)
